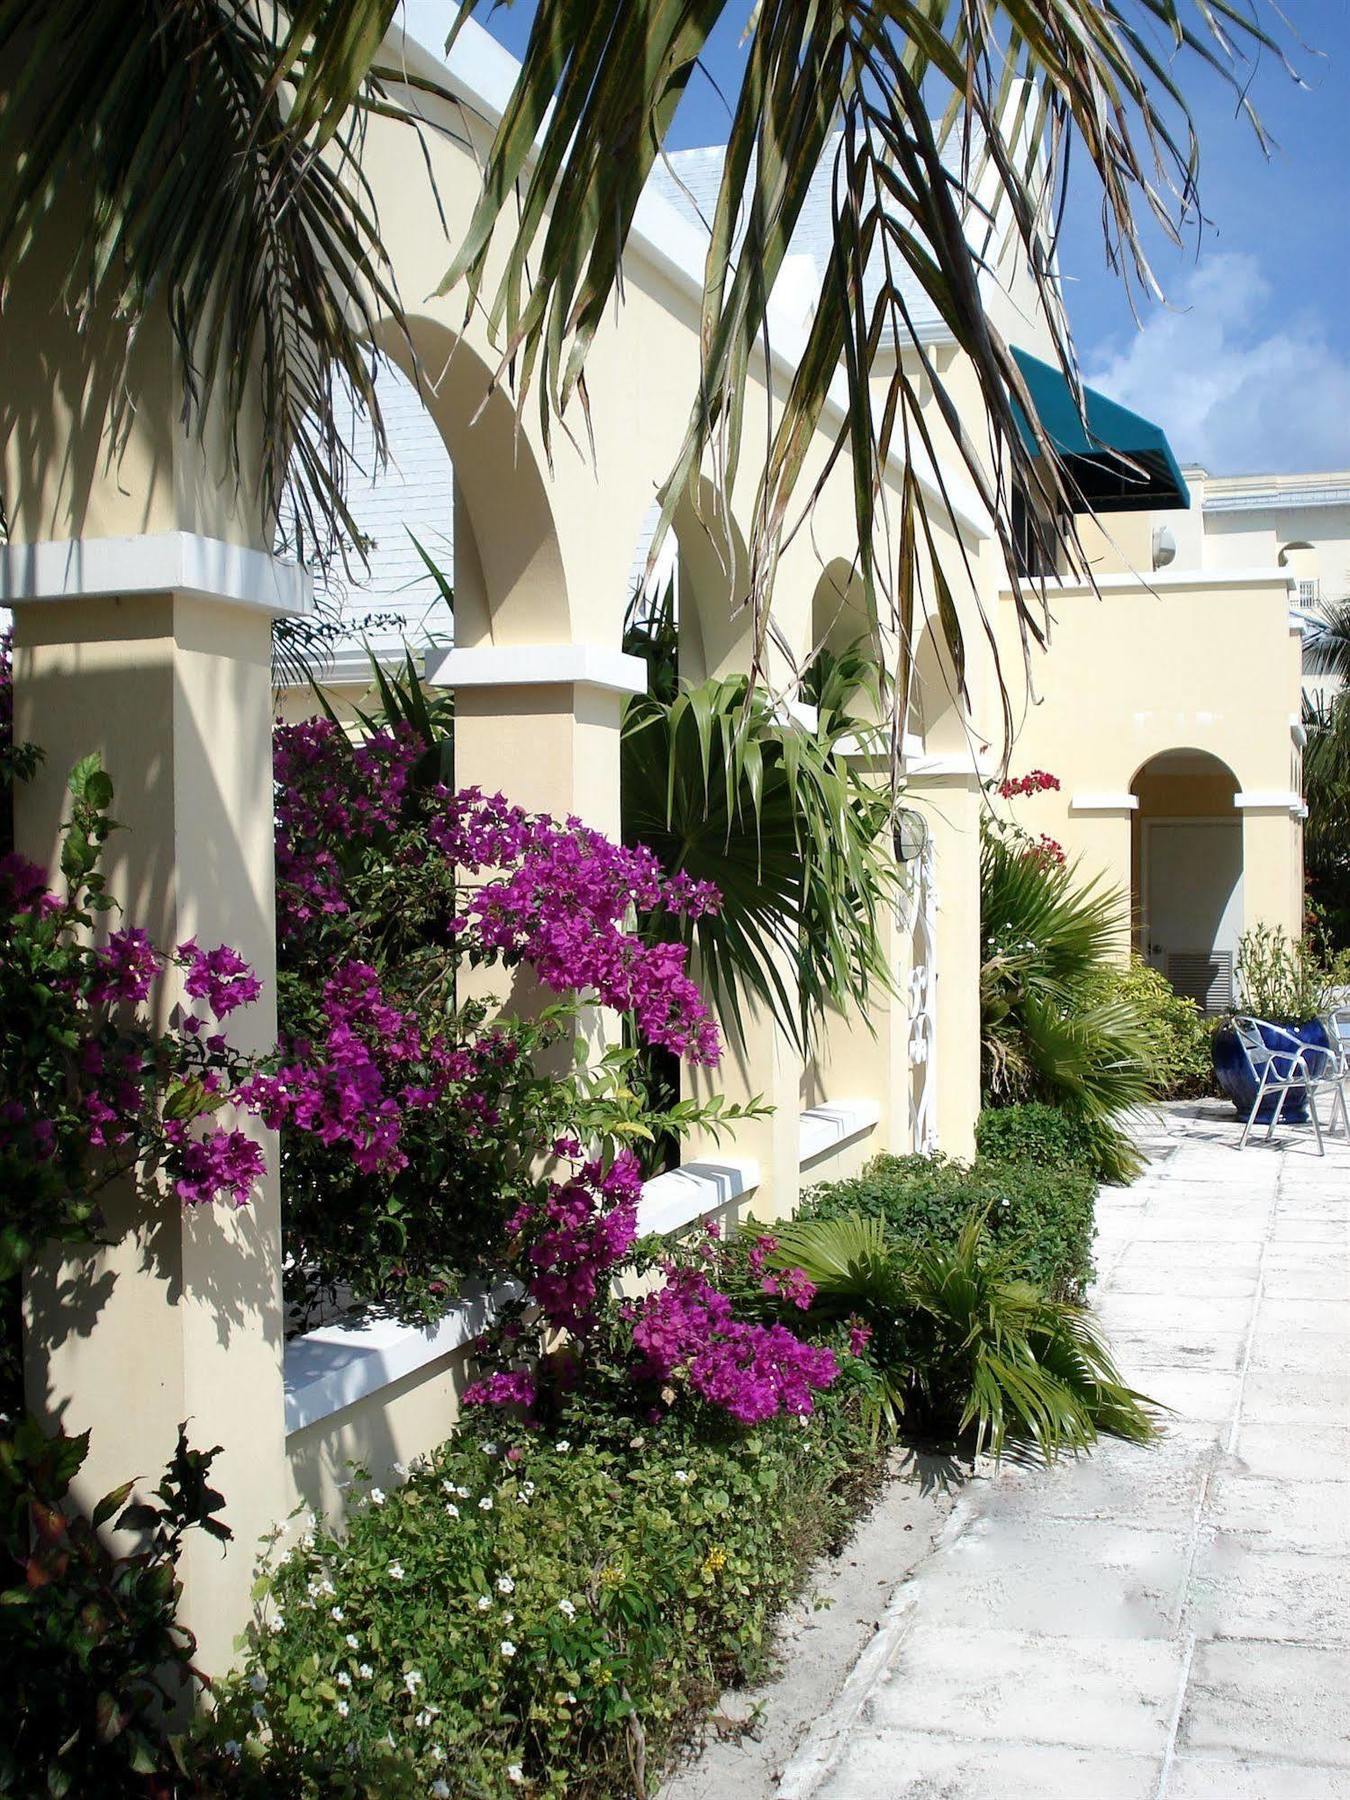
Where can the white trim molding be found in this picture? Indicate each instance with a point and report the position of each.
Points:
(971, 768)
(1104, 803)
(835, 1123)
(1159, 581)
(1268, 800)
(330, 1369)
(539, 665)
(682, 1196)
(167, 562)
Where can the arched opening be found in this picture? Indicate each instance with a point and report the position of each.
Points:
(1186, 872)
(843, 623)
(934, 714)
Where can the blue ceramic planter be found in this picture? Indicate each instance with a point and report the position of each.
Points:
(1234, 1077)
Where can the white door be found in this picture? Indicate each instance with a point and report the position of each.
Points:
(1193, 918)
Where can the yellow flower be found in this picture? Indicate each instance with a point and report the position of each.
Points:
(611, 1577)
(714, 1562)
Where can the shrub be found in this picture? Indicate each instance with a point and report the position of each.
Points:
(961, 1342)
(1279, 978)
(1042, 1214)
(1055, 1137)
(1176, 1030)
(1048, 1031)
(548, 1613)
(88, 1642)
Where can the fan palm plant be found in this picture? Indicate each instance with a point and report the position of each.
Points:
(725, 788)
(961, 1344)
(1048, 1030)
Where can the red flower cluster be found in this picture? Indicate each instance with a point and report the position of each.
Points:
(1037, 781)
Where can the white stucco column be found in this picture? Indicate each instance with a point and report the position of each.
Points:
(1272, 859)
(1101, 832)
(947, 790)
(540, 723)
(155, 651)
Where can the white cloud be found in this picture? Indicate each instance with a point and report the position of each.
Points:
(1240, 378)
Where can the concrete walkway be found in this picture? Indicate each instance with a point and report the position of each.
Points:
(1170, 1623)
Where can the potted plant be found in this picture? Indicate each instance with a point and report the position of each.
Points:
(1282, 983)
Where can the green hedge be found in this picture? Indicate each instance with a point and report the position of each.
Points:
(566, 1615)
(1044, 1214)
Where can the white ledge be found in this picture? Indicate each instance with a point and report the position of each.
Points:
(1159, 580)
(1269, 800)
(945, 768)
(169, 562)
(335, 1366)
(837, 1122)
(1103, 803)
(539, 665)
(682, 1195)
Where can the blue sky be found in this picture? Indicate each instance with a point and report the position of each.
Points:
(1247, 366)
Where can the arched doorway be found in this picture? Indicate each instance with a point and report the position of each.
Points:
(1187, 872)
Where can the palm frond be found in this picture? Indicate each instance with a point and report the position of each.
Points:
(723, 789)
(211, 153)
(922, 204)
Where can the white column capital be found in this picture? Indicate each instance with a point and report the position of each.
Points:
(167, 562)
(539, 665)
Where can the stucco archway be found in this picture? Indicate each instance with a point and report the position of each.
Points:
(1187, 871)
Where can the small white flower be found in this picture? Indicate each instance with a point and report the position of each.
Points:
(396, 1570)
(377, 1496)
(566, 1608)
(508, 1648)
(440, 1788)
(233, 1748)
(437, 1753)
(508, 1618)
(522, 1499)
(505, 1585)
(338, 1614)
(463, 1493)
(326, 1586)
(516, 1775)
(681, 1475)
(344, 1680)
(563, 1445)
(353, 1642)
(488, 1449)
(485, 1504)
(485, 1603)
(412, 1680)
(343, 1709)
(452, 1510)
(400, 1469)
(527, 1487)
(365, 1671)
(277, 1624)
(258, 1681)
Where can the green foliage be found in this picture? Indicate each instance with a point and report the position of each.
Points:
(1177, 1032)
(963, 1342)
(1041, 1216)
(558, 1608)
(1054, 1026)
(1326, 788)
(724, 790)
(1279, 979)
(1056, 1137)
(88, 1642)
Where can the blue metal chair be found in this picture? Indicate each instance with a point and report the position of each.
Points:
(1283, 1064)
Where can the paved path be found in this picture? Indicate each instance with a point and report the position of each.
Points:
(1169, 1623)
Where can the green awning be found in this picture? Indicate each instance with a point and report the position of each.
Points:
(1117, 461)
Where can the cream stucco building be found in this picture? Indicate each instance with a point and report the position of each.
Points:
(144, 586)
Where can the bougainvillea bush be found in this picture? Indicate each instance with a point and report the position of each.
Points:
(94, 1087)
(426, 1134)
